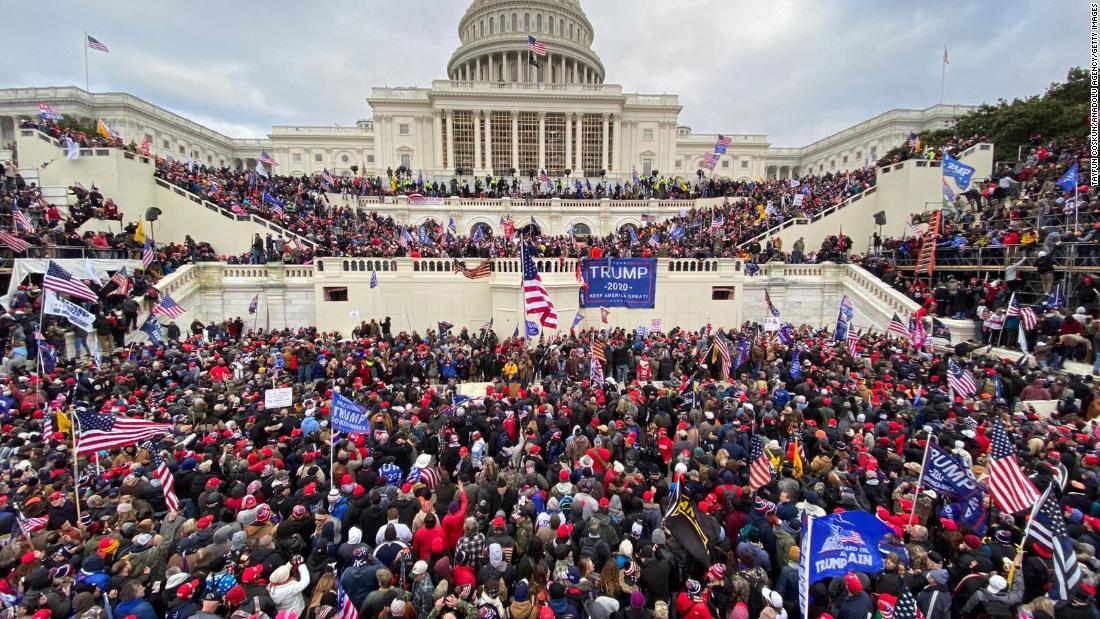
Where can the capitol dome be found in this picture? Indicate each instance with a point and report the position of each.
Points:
(493, 48)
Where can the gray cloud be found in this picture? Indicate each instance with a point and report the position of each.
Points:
(796, 71)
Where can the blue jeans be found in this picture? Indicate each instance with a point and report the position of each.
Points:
(1096, 363)
(621, 373)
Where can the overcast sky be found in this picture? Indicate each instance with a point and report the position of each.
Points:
(796, 71)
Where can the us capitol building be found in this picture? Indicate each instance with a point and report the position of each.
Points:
(494, 114)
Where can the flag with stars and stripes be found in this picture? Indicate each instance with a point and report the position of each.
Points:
(254, 304)
(95, 44)
(897, 326)
(30, 526)
(535, 46)
(147, 255)
(161, 472)
(1027, 315)
(906, 606)
(168, 308)
(327, 179)
(266, 159)
(596, 373)
(99, 431)
(655, 241)
(21, 220)
(121, 280)
(536, 300)
(960, 380)
(61, 281)
(1012, 491)
(1048, 527)
(760, 467)
(724, 353)
(15, 243)
(717, 223)
(345, 608)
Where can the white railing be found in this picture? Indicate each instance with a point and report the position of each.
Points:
(803, 221)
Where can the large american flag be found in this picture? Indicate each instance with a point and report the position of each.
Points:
(1012, 491)
(167, 482)
(599, 350)
(326, 178)
(771, 307)
(897, 326)
(852, 340)
(30, 526)
(15, 243)
(906, 606)
(716, 224)
(96, 45)
(484, 269)
(266, 159)
(61, 281)
(106, 431)
(121, 280)
(345, 608)
(760, 467)
(535, 298)
(535, 46)
(1027, 315)
(543, 177)
(724, 353)
(960, 380)
(1048, 527)
(168, 308)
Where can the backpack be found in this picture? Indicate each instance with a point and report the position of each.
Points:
(746, 530)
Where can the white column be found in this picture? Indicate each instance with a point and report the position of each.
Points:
(477, 142)
(603, 156)
(578, 155)
(542, 140)
(519, 67)
(548, 69)
(568, 139)
(488, 140)
(562, 76)
(437, 144)
(617, 148)
(450, 140)
(515, 140)
(477, 69)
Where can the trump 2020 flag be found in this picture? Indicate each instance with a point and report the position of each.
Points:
(957, 170)
(842, 543)
(949, 476)
(347, 416)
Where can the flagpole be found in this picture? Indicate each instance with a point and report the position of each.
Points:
(1027, 530)
(74, 429)
(806, 546)
(920, 480)
(85, 41)
(1002, 331)
(943, 74)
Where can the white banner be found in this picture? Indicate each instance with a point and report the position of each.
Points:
(798, 198)
(278, 398)
(771, 323)
(426, 200)
(56, 306)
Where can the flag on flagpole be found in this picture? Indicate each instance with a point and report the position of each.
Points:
(960, 380)
(345, 608)
(1012, 491)
(898, 327)
(161, 472)
(147, 255)
(945, 56)
(1069, 181)
(1047, 526)
(771, 307)
(168, 308)
(16, 244)
(254, 304)
(61, 281)
(760, 467)
(535, 46)
(266, 158)
(20, 219)
(95, 44)
(98, 431)
(536, 300)
(723, 352)
(373, 279)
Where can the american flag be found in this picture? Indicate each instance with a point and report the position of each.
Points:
(723, 352)
(15, 243)
(906, 606)
(96, 45)
(20, 219)
(106, 431)
(147, 255)
(535, 46)
(168, 308)
(484, 269)
(716, 224)
(266, 159)
(345, 608)
(121, 280)
(488, 326)
(654, 241)
(599, 350)
(543, 177)
(326, 178)
(1048, 527)
(897, 326)
(535, 298)
(771, 307)
(960, 380)
(1027, 315)
(161, 472)
(724, 140)
(853, 340)
(254, 304)
(760, 467)
(31, 526)
(48, 113)
(61, 281)
(1012, 491)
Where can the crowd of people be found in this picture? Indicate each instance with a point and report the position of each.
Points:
(544, 496)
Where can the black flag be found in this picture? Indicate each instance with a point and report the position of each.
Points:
(694, 530)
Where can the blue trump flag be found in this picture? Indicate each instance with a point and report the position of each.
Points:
(842, 543)
(1068, 183)
(957, 170)
(347, 416)
(950, 477)
(532, 328)
(151, 327)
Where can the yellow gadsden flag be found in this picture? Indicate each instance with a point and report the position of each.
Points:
(63, 424)
(102, 129)
(139, 234)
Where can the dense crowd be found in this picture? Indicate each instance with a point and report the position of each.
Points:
(544, 496)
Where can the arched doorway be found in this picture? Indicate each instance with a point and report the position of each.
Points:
(481, 230)
(581, 229)
(530, 229)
